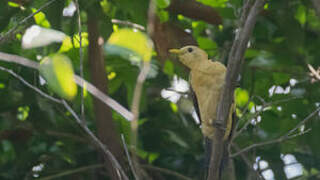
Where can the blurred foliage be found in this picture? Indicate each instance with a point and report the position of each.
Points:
(40, 138)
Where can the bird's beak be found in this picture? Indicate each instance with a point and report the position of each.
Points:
(175, 51)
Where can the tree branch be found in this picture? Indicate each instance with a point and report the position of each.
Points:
(80, 57)
(24, 20)
(316, 5)
(166, 171)
(94, 139)
(128, 23)
(195, 10)
(234, 63)
(80, 81)
(257, 113)
(287, 136)
(73, 171)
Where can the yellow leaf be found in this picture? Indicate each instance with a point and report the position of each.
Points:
(57, 70)
(133, 40)
(40, 19)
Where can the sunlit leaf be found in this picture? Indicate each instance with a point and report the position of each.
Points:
(23, 113)
(214, 3)
(13, 4)
(133, 40)
(301, 14)
(36, 36)
(57, 70)
(242, 97)
(69, 43)
(40, 19)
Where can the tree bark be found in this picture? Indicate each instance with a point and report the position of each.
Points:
(104, 123)
(235, 59)
(195, 10)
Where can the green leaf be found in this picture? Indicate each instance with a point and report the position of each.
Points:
(163, 15)
(242, 97)
(23, 113)
(168, 68)
(280, 78)
(301, 15)
(40, 19)
(206, 43)
(214, 3)
(134, 41)
(67, 42)
(58, 71)
(162, 3)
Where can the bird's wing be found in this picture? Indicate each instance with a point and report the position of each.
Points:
(195, 103)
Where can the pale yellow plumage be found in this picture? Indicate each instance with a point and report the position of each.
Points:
(207, 81)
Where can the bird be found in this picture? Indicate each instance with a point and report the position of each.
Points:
(207, 80)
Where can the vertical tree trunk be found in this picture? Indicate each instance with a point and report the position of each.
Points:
(105, 126)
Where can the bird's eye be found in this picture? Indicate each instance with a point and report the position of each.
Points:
(190, 50)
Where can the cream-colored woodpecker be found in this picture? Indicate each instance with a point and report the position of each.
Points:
(207, 80)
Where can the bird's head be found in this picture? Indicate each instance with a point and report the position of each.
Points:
(190, 55)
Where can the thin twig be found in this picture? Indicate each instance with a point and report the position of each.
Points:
(13, 29)
(257, 113)
(128, 23)
(128, 156)
(282, 138)
(81, 58)
(314, 72)
(248, 162)
(94, 139)
(135, 109)
(101, 146)
(73, 171)
(66, 135)
(30, 85)
(166, 171)
(80, 81)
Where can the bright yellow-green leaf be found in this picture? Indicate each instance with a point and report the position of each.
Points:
(242, 97)
(174, 107)
(2, 86)
(40, 19)
(13, 4)
(301, 14)
(23, 113)
(133, 40)
(66, 45)
(111, 75)
(84, 40)
(67, 42)
(115, 27)
(57, 70)
(106, 6)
